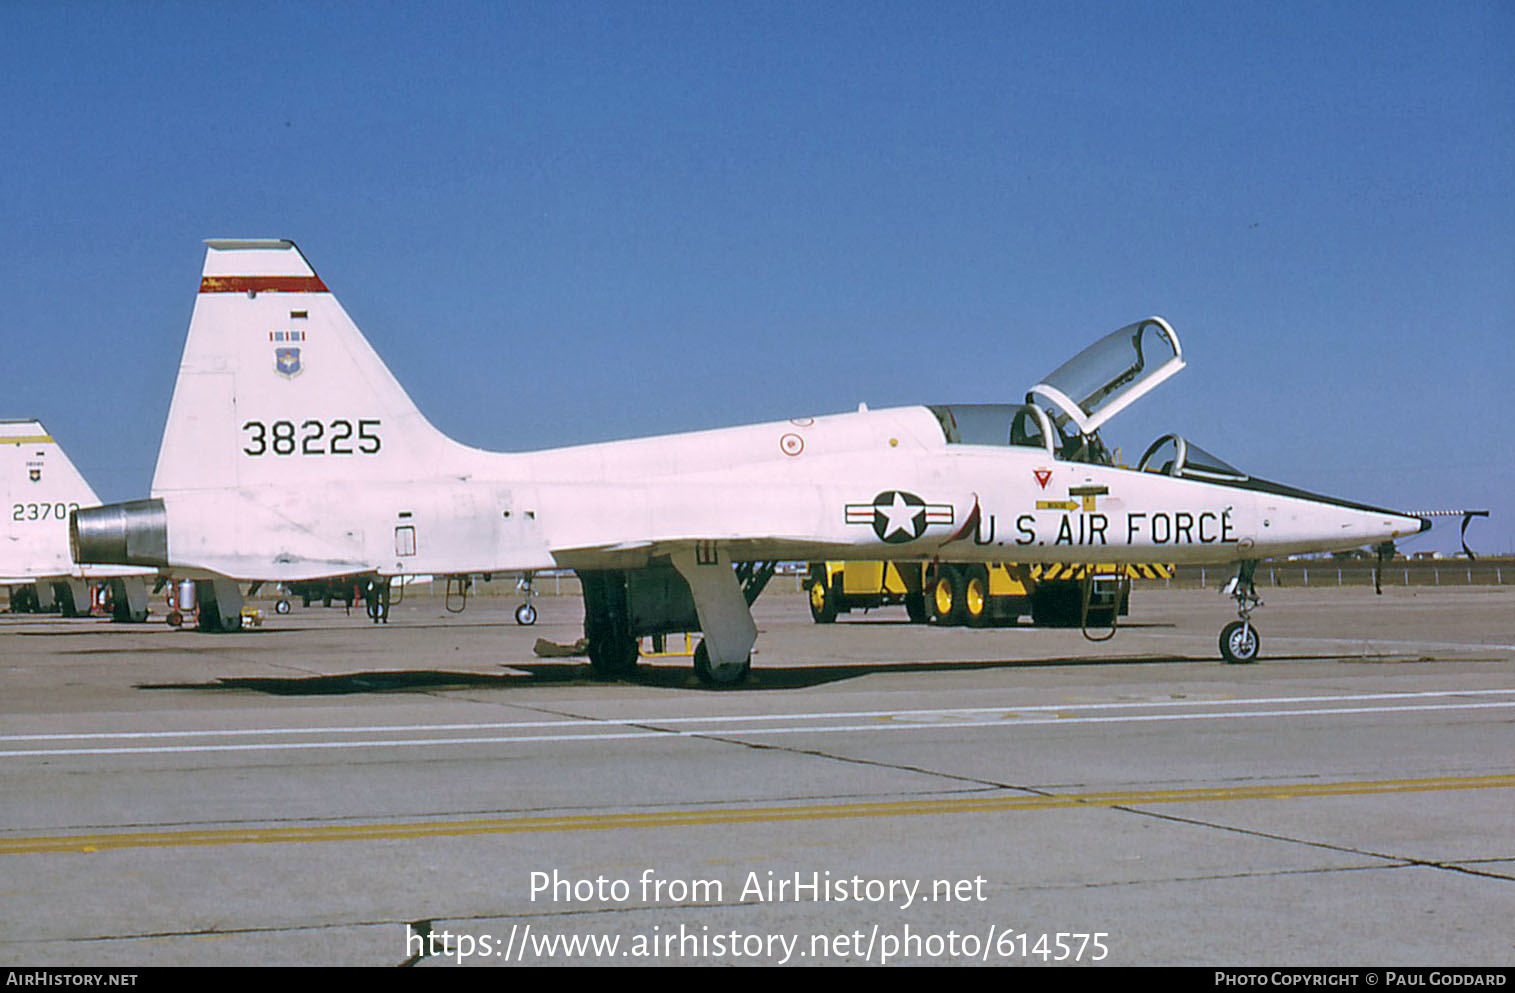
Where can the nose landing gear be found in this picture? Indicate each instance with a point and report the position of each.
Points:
(526, 614)
(1239, 640)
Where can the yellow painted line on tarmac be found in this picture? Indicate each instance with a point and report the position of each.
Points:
(732, 815)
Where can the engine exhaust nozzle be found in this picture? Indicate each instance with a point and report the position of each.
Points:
(132, 533)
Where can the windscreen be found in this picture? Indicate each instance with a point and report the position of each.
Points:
(998, 424)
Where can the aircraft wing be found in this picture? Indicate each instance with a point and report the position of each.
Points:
(746, 548)
(748, 523)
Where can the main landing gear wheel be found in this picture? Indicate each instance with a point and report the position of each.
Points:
(723, 675)
(613, 648)
(1240, 642)
(526, 615)
(612, 658)
(282, 607)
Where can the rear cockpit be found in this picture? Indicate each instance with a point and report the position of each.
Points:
(1173, 455)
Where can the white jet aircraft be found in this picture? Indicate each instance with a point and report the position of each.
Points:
(292, 453)
(41, 488)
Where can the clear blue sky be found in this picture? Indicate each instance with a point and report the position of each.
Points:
(576, 221)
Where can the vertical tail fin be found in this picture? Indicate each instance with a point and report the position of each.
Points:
(41, 487)
(279, 387)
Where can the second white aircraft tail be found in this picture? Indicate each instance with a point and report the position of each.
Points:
(41, 487)
(279, 387)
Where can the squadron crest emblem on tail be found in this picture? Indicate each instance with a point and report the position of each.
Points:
(287, 362)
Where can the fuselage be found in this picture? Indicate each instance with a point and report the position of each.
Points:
(292, 452)
(866, 485)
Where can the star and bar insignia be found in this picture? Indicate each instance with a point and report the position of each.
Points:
(898, 516)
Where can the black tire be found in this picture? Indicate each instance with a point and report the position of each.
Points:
(120, 605)
(613, 649)
(121, 613)
(282, 607)
(526, 615)
(945, 598)
(822, 601)
(63, 595)
(24, 600)
(915, 606)
(612, 658)
(725, 677)
(1238, 647)
(1057, 604)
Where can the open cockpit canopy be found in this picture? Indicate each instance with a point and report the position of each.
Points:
(1110, 375)
(1063, 412)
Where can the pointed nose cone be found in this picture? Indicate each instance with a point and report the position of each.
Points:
(1295, 521)
(1384, 525)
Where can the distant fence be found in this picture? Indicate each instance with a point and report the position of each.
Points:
(1314, 572)
(1356, 572)
(1300, 573)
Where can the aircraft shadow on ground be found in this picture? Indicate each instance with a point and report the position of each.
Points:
(905, 623)
(197, 642)
(530, 674)
(338, 684)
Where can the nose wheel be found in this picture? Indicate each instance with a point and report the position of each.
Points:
(1240, 641)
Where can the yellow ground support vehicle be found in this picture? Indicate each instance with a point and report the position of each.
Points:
(978, 594)
(842, 587)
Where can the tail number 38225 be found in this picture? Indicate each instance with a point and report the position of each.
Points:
(312, 437)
